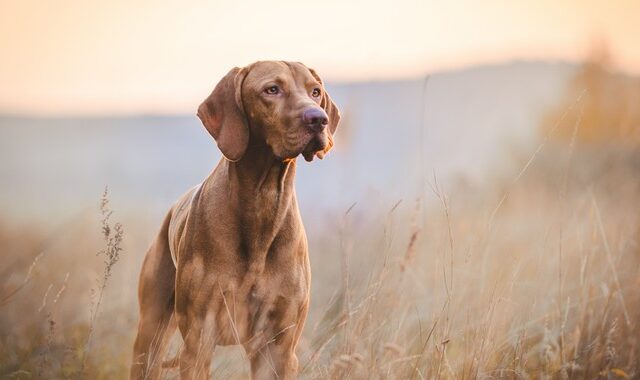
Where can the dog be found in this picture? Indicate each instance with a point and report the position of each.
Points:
(230, 264)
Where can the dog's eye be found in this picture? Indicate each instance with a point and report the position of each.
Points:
(315, 93)
(272, 90)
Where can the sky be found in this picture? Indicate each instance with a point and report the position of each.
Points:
(97, 57)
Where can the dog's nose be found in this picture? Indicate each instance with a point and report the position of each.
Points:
(315, 118)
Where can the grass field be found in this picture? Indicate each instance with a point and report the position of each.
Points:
(534, 276)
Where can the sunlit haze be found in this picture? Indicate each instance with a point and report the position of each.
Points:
(70, 57)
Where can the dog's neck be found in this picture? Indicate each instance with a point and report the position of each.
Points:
(263, 197)
(261, 174)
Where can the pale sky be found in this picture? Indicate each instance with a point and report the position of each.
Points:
(66, 57)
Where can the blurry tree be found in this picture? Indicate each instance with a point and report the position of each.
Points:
(609, 110)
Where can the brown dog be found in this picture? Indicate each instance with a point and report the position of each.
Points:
(230, 263)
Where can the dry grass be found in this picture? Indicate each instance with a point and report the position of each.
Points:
(449, 286)
(541, 292)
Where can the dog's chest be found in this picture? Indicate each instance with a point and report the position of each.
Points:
(251, 311)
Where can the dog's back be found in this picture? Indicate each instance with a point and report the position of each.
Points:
(179, 214)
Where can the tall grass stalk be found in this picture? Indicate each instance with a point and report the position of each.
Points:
(112, 234)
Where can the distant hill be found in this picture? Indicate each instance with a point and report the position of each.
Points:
(460, 124)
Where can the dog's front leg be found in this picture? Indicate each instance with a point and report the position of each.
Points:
(274, 361)
(276, 358)
(199, 344)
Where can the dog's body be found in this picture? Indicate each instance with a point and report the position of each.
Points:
(230, 264)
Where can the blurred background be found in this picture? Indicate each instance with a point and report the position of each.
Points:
(478, 216)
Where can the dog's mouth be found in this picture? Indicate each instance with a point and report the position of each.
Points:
(317, 146)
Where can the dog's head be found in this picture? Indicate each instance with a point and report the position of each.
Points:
(281, 104)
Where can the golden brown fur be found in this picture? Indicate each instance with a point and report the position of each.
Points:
(241, 272)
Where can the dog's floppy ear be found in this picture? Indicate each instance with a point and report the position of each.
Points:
(223, 115)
